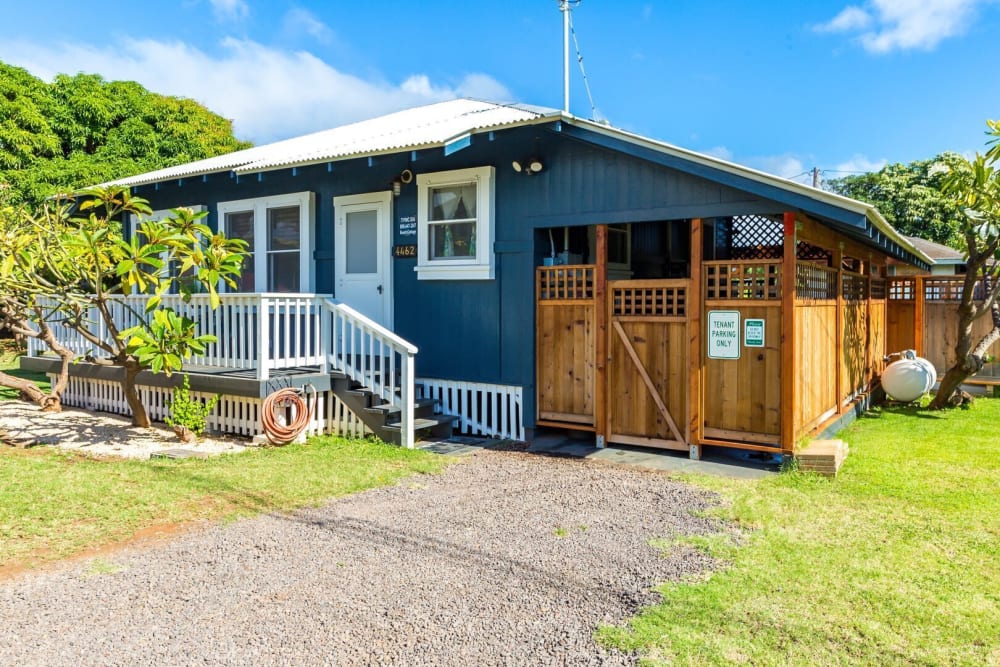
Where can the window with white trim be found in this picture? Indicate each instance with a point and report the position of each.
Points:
(278, 234)
(455, 224)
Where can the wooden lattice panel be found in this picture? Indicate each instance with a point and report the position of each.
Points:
(756, 281)
(813, 281)
(855, 287)
(757, 237)
(878, 288)
(810, 252)
(648, 299)
(902, 289)
(944, 289)
(566, 283)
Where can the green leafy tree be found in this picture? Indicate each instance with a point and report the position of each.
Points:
(58, 270)
(911, 197)
(80, 130)
(974, 189)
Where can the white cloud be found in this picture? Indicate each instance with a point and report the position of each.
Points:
(890, 25)
(269, 93)
(850, 18)
(859, 164)
(720, 152)
(786, 166)
(300, 21)
(229, 10)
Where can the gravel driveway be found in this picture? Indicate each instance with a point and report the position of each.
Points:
(504, 559)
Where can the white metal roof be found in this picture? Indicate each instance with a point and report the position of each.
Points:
(436, 125)
(411, 129)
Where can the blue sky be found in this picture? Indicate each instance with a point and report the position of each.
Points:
(781, 86)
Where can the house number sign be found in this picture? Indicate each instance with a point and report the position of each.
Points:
(409, 250)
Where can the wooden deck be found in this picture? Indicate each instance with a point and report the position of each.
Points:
(233, 382)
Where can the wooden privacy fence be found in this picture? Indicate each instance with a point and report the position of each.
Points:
(742, 394)
(566, 343)
(840, 320)
(922, 314)
(648, 363)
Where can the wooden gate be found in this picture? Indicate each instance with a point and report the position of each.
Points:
(742, 394)
(566, 345)
(648, 363)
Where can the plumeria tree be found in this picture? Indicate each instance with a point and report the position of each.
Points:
(974, 186)
(68, 265)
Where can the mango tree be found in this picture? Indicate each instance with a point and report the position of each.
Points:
(71, 270)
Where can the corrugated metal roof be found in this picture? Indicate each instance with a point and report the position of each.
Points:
(438, 124)
(411, 129)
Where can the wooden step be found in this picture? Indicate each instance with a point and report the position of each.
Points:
(422, 407)
(438, 426)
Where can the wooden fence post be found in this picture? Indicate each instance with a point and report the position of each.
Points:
(869, 359)
(789, 372)
(918, 315)
(601, 324)
(695, 306)
(839, 257)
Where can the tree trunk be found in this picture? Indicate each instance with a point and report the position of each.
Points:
(139, 416)
(29, 390)
(970, 361)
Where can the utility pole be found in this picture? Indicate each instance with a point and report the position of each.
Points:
(564, 7)
(816, 177)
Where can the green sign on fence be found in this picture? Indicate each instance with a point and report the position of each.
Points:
(753, 332)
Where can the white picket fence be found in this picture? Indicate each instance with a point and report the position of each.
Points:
(237, 415)
(493, 410)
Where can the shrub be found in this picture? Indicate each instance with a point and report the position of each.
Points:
(187, 412)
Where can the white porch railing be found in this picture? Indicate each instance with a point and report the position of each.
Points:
(273, 331)
(374, 357)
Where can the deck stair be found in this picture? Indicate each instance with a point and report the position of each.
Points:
(384, 419)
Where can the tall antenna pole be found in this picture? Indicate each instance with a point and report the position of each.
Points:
(564, 8)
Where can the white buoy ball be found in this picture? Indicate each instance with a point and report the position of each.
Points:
(908, 379)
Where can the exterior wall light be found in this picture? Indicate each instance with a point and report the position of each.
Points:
(530, 166)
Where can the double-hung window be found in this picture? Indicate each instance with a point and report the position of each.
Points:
(455, 224)
(277, 231)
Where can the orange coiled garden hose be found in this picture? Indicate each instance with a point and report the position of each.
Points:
(282, 434)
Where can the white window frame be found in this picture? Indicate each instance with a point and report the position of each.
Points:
(134, 219)
(306, 201)
(480, 267)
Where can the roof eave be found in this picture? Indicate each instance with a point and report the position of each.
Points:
(251, 169)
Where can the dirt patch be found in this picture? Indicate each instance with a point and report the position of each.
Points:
(42, 560)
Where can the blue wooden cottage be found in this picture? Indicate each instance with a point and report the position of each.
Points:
(499, 268)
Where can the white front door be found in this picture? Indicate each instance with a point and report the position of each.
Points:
(363, 254)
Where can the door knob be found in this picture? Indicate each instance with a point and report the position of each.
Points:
(379, 288)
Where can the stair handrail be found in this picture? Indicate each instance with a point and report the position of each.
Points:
(355, 329)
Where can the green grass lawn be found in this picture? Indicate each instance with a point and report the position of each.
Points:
(897, 561)
(54, 504)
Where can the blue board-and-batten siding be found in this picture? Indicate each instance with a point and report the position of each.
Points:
(483, 331)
